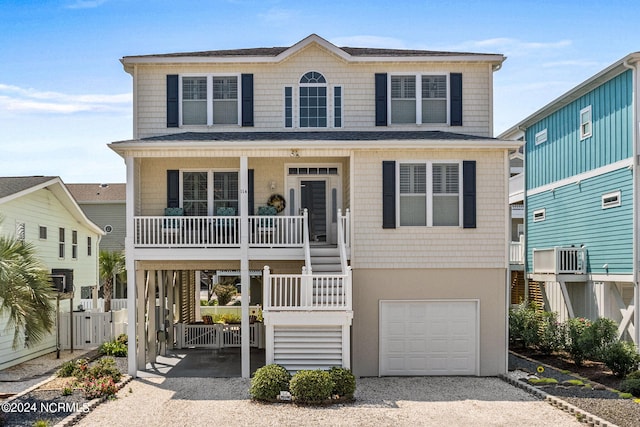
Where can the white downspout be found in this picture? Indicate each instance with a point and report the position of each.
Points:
(636, 199)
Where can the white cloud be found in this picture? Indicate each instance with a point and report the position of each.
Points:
(85, 4)
(510, 46)
(20, 100)
(369, 41)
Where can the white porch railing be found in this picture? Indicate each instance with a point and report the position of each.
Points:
(217, 335)
(285, 292)
(116, 304)
(217, 231)
(560, 260)
(516, 251)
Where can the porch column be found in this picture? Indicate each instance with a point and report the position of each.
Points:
(170, 315)
(151, 314)
(140, 307)
(132, 294)
(162, 342)
(197, 294)
(244, 267)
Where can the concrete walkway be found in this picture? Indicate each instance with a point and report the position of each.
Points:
(202, 362)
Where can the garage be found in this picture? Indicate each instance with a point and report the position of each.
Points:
(429, 337)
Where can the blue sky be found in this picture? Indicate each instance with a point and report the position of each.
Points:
(64, 94)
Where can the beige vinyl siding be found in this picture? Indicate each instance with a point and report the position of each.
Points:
(487, 285)
(42, 208)
(356, 79)
(153, 194)
(429, 247)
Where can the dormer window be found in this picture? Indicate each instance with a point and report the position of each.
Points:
(313, 100)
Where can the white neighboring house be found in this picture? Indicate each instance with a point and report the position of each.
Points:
(40, 210)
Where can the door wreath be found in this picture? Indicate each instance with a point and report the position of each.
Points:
(277, 201)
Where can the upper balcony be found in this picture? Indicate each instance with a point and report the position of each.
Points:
(561, 261)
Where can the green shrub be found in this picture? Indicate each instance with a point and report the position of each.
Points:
(635, 375)
(599, 335)
(105, 367)
(523, 325)
(227, 318)
(67, 391)
(631, 385)
(621, 357)
(67, 369)
(98, 387)
(575, 344)
(114, 348)
(225, 293)
(122, 339)
(269, 381)
(311, 386)
(344, 382)
(550, 332)
(41, 423)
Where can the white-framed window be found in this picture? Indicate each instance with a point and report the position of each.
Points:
(209, 99)
(74, 244)
(429, 194)
(42, 230)
(89, 246)
(541, 137)
(204, 192)
(419, 99)
(337, 107)
(61, 242)
(611, 200)
(313, 100)
(585, 122)
(539, 215)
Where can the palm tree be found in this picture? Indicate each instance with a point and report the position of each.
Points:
(111, 264)
(25, 292)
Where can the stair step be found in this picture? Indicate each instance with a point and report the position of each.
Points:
(325, 260)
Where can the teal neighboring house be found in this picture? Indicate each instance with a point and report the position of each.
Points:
(581, 203)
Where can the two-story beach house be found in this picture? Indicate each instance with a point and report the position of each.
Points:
(361, 187)
(39, 210)
(581, 203)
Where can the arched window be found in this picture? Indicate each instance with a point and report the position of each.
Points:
(313, 100)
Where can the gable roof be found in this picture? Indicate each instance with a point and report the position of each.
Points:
(583, 88)
(14, 187)
(277, 54)
(10, 185)
(98, 193)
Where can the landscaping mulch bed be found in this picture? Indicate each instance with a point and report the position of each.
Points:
(600, 398)
(49, 404)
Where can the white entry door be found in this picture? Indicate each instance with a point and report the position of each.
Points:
(429, 337)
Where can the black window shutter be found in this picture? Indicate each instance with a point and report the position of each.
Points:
(455, 81)
(172, 101)
(247, 100)
(381, 99)
(469, 194)
(173, 188)
(388, 194)
(250, 191)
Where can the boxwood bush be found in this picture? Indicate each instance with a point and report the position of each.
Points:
(621, 357)
(344, 382)
(269, 381)
(311, 386)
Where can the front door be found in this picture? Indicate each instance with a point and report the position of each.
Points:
(313, 196)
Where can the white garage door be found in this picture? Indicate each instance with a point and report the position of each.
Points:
(429, 337)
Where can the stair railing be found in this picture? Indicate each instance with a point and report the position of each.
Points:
(342, 244)
(307, 245)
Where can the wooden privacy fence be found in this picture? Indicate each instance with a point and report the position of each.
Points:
(91, 329)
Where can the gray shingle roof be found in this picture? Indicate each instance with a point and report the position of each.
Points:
(14, 184)
(98, 192)
(315, 136)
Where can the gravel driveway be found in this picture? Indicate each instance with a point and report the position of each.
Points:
(425, 401)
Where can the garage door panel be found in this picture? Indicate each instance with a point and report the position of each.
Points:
(428, 337)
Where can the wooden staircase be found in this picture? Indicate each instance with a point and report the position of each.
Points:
(518, 290)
